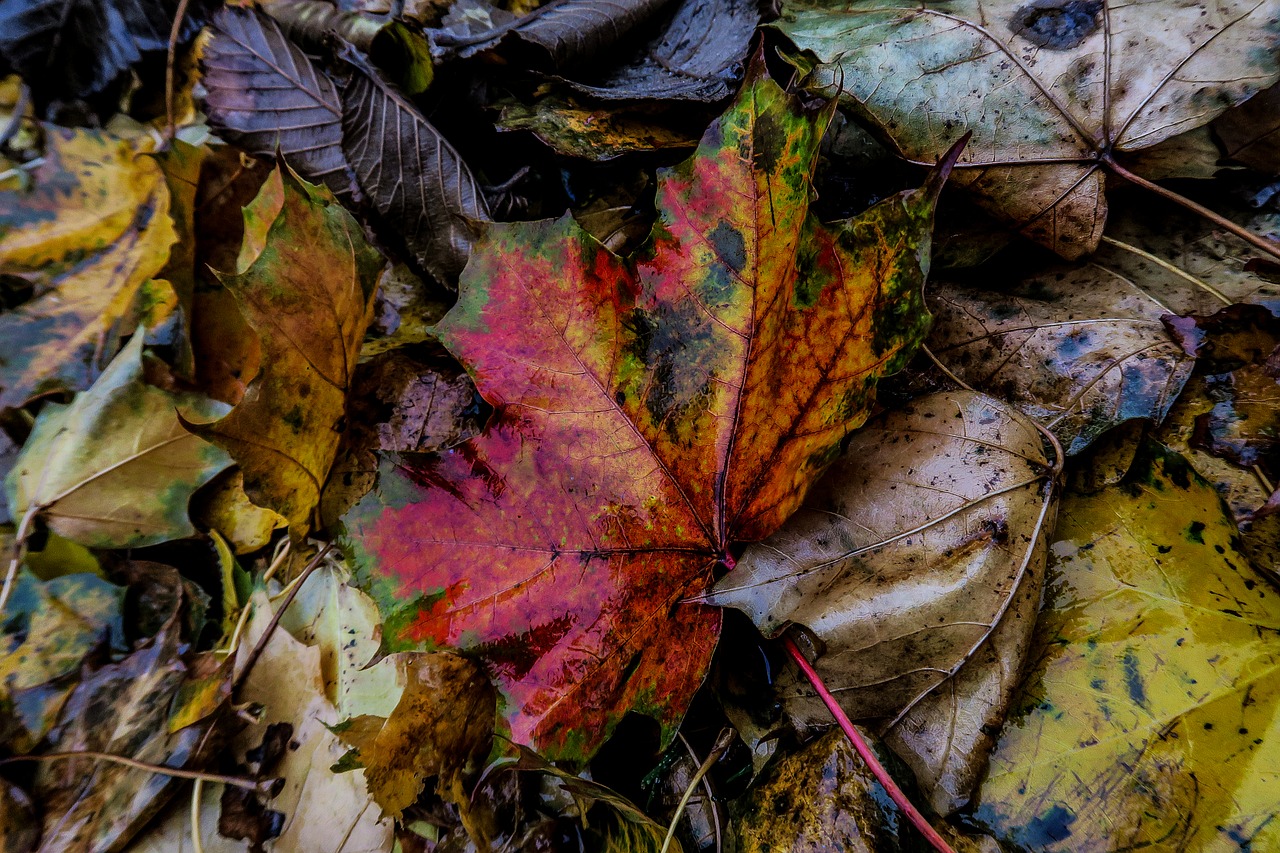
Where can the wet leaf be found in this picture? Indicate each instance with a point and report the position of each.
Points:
(821, 797)
(1048, 89)
(305, 282)
(267, 96)
(1080, 349)
(592, 133)
(68, 49)
(648, 412)
(411, 173)
(917, 562)
(1149, 717)
(1250, 133)
(94, 228)
(697, 55)
(556, 35)
(442, 723)
(115, 468)
(121, 709)
(50, 629)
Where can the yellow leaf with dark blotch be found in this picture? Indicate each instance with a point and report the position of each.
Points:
(443, 721)
(116, 468)
(305, 281)
(918, 561)
(182, 164)
(1149, 720)
(92, 230)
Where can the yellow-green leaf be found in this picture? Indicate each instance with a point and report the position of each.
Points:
(1150, 720)
(116, 468)
(94, 227)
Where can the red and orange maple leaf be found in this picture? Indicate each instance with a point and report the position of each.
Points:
(649, 412)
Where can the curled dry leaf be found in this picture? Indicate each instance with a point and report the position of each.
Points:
(591, 132)
(559, 34)
(94, 228)
(411, 173)
(648, 412)
(115, 468)
(67, 49)
(1048, 89)
(1149, 718)
(305, 282)
(917, 562)
(267, 96)
(697, 55)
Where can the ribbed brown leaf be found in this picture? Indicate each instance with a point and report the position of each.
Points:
(265, 95)
(558, 35)
(410, 173)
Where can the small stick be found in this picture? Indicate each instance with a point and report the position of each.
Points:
(275, 618)
(860, 746)
(262, 787)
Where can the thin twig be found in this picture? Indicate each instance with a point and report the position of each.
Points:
(722, 743)
(168, 69)
(1161, 262)
(946, 370)
(1262, 244)
(197, 793)
(260, 786)
(275, 619)
(860, 746)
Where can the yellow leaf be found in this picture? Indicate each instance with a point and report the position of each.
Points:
(92, 230)
(1150, 720)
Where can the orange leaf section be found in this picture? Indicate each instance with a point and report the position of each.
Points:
(649, 412)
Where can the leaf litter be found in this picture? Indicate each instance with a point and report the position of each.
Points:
(280, 277)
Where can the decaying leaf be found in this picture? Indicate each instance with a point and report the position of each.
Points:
(223, 506)
(411, 173)
(305, 282)
(820, 798)
(917, 562)
(648, 412)
(591, 132)
(75, 48)
(121, 709)
(267, 96)
(1081, 349)
(442, 723)
(1149, 717)
(1250, 133)
(51, 627)
(115, 468)
(19, 827)
(1049, 89)
(94, 228)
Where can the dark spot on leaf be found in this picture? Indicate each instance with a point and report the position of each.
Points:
(1133, 679)
(1055, 25)
(1052, 826)
(1195, 532)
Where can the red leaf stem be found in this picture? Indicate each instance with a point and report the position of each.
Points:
(861, 747)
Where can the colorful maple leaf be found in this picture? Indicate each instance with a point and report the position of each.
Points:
(649, 412)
